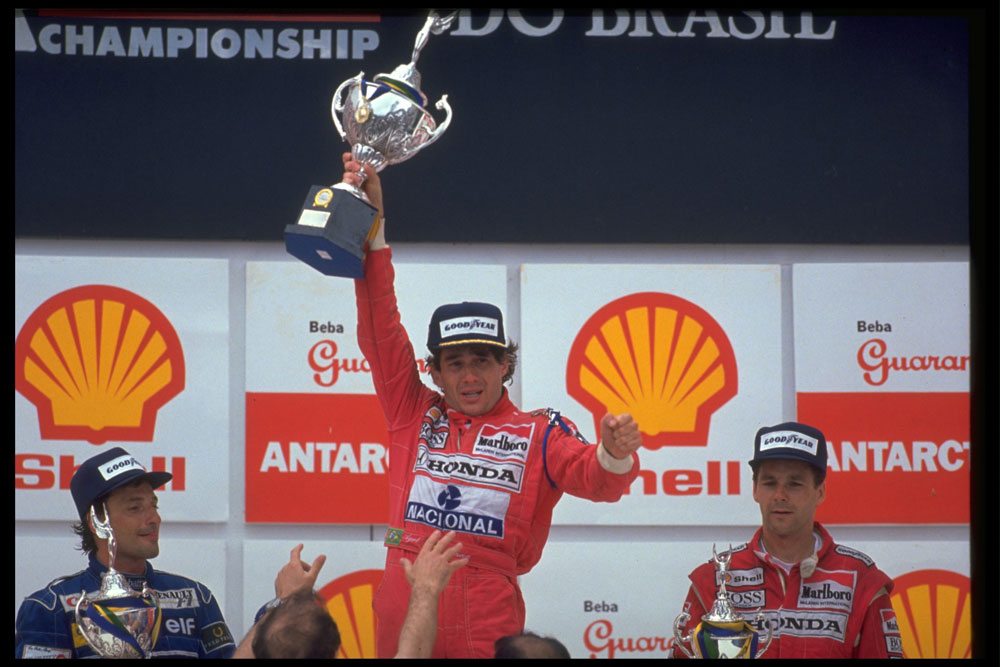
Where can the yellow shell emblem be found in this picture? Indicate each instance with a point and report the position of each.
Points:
(348, 600)
(98, 362)
(934, 613)
(658, 357)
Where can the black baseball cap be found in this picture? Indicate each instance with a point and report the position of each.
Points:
(102, 474)
(466, 323)
(790, 440)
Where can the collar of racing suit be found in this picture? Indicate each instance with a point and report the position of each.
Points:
(97, 570)
(807, 565)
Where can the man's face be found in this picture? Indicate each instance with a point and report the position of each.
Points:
(136, 523)
(788, 497)
(471, 378)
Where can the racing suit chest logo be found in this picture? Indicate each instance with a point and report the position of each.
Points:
(506, 441)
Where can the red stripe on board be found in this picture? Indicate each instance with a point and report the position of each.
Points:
(197, 16)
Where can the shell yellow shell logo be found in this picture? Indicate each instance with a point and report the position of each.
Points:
(98, 362)
(934, 613)
(349, 603)
(660, 358)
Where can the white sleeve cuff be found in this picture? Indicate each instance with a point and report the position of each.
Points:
(610, 463)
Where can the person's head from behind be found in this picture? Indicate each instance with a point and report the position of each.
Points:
(470, 358)
(789, 473)
(299, 627)
(115, 481)
(529, 645)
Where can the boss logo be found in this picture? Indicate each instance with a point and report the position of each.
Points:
(747, 599)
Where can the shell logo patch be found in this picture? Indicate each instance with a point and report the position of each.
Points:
(98, 362)
(660, 358)
(349, 603)
(934, 613)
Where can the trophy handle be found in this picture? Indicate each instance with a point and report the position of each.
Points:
(680, 640)
(770, 633)
(338, 104)
(440, 104)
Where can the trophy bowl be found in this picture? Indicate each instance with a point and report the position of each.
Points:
(385, 120)
(121, 627)
(117, 621)
(722, 632)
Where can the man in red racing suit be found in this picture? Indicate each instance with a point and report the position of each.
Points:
(840, 610)
(469, 460)
(818, 598)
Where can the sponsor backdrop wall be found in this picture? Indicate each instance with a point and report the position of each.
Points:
(766, 219)
(268, 344)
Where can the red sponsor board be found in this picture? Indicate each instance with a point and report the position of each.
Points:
(316, 458)
(894, 457)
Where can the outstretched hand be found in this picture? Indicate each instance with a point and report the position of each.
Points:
(620, 435)
(372, 185)
(296, 575)
(437, 561)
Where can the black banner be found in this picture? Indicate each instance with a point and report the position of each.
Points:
(615, 126)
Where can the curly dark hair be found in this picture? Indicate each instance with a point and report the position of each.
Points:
(509, 355)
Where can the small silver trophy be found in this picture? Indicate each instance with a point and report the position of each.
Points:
(385, 121)
(117, 621)
(722, 632)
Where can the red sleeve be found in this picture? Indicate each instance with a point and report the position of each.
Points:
(384, 342)
(573, 466)
(879, 637)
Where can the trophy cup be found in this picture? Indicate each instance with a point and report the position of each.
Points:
(117, 621)
(385, 121)
(722, 632)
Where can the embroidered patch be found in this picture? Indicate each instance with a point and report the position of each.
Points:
(434, 428)
(393, 537)
(504, 441)
(462, 467)
(464, 509)
(215, 635)
(35, 651)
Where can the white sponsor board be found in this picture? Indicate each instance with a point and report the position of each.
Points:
(191, 435)
(39, 560)
(302, 325)
(263, 558)
(881, 327)
(737, 307)
(619, 600)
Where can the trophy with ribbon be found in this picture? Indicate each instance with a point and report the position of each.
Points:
(385, 121)
(722, 632)
(118, 622)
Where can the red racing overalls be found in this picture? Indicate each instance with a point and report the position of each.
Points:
(841, 610)
(494, 479)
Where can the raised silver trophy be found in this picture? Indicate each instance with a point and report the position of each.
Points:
(385, 121)
(722, 632)
(118, 622)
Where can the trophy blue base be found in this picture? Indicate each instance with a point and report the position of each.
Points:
(331, 233)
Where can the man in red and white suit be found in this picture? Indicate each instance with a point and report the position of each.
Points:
(821, 599)
(467, 459)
